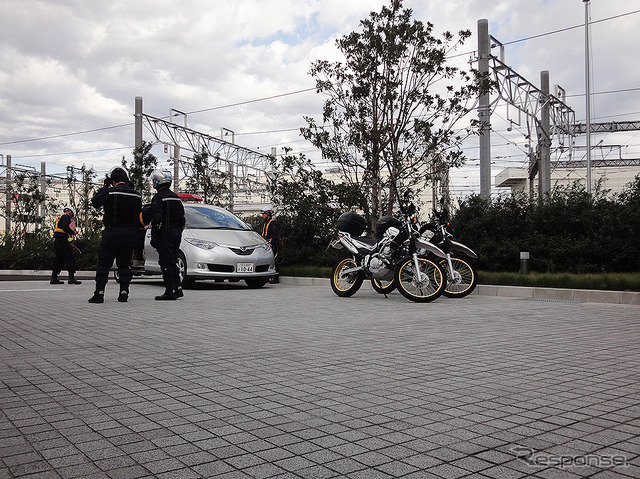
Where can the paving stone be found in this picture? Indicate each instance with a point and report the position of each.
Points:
(322, 387)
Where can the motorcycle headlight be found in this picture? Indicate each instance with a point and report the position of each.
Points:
(201, 243)
(428, 234)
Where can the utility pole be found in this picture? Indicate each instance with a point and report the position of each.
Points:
(484, 111)
(224, 132)
(544, 170)
(138, 122)
(176, 150)
(43, 184)
(587, 77)
(7, 222)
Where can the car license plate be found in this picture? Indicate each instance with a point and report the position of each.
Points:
(244, 268)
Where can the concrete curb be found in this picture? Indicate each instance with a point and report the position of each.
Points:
(524, 292)
(560, 294)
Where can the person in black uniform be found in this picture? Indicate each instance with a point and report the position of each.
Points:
(62, 236)
(271, 232)
(122, 206)
(166, 215)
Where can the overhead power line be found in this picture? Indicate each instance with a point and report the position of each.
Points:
(27, 140)
(625, 90)
(553, 32)
(571, 28)
(251, 101)
(69, 153)
(65, 134)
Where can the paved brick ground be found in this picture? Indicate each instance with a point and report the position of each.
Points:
(294, 382)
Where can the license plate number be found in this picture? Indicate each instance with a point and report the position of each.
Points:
(244, 268)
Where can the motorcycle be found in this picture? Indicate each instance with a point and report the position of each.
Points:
(390, 260)
(462, 276)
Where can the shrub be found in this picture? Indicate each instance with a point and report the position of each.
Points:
(570, 230)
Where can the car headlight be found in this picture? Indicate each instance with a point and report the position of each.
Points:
(201, 243)
(265, 246)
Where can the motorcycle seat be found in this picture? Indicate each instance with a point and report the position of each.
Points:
(369, 241)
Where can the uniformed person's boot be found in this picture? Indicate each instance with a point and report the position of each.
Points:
(168, 295)
(98, 297)
(73, 280)
(123, 297)
(55, 280)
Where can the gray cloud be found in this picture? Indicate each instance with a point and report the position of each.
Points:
(71, 66)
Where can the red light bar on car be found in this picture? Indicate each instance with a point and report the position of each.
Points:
(188, 197)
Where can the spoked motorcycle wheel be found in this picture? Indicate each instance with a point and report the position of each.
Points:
(345, 285)
(463, 281)
(431, 284)
(383, 286)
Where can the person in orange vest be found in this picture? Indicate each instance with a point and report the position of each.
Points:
(271, 232)
(63, 235)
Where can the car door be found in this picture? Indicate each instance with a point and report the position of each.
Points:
(151, 255)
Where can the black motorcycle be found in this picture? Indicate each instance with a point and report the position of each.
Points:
(390, 260)
(462, 276)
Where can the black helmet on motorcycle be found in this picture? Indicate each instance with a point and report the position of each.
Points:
(160, 178)
(352, 223)
(386, 222)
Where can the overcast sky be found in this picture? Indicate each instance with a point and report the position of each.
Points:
(70, 66)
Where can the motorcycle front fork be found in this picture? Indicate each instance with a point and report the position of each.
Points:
(450, 267)
(416, 265)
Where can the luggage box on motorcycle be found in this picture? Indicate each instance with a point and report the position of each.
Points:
(386, 222)
(352, 223)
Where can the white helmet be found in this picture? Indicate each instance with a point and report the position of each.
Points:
(69, 208)
(161, 177)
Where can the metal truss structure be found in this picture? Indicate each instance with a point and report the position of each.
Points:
(609, 127)
(553, 120)
(243, 160)
(245, 169)
(596, 163)
(530, 100)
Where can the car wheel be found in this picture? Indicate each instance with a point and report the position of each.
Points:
(182, 270)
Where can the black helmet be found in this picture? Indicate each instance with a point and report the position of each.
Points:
(118, 174)
(161, 177)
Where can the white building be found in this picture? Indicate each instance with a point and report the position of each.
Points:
(612, 178)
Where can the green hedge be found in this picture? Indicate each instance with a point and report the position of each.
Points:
(37, 252)
(569, 231)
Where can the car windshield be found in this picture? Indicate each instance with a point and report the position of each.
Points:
(202, 217)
